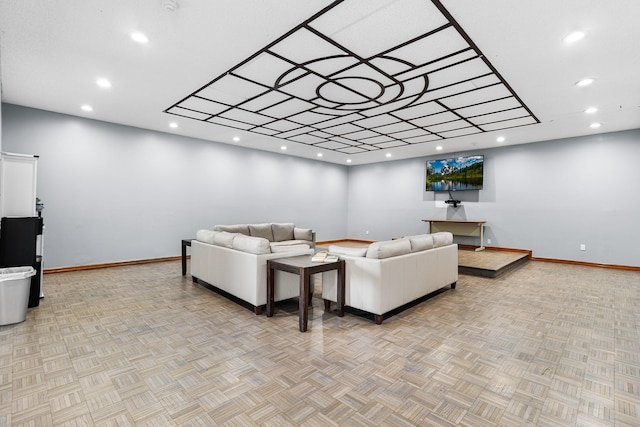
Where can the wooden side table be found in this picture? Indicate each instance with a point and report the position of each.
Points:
(185, 243)
(305, 268)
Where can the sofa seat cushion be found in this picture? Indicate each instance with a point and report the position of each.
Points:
(235, 228)
(275, 248)
(290, 243)
(389, 248)
(342, 250)
(282, 231)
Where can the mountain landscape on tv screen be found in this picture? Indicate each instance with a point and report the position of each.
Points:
(455, 174)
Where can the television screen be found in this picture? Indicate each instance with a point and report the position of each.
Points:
(455, 174)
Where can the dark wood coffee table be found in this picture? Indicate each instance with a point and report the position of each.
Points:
(305, 268)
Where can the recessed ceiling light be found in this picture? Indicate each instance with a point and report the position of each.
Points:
(139, 37)
(319, 154)
(173, 125)
(283, 148)
(348, 160)
(87, 108)
(236, 138)
(170, 5)
(591, 110)
(439, 147)
(584, 82)
(500, 139)
(388, 154)
(103, 83)
(574, 37)
(595, 125)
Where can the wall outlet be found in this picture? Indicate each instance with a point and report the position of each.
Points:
(366, 232)
(488, 241)
(583, 247)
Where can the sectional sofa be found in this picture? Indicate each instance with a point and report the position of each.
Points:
(388, 275)
(233, 259)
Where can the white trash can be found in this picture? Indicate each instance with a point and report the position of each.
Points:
(15, 285)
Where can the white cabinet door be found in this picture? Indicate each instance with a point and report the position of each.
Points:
(18, 178)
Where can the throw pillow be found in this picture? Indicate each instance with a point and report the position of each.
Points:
(261, 230)
(282, 231)
(389, 248)
(342, 250)
(303, 234)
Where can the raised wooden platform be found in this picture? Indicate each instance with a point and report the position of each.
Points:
(490, 263)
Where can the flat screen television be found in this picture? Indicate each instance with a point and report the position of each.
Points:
(455, 174)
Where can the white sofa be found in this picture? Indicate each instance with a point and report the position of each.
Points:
(236, 263)
(390, 274)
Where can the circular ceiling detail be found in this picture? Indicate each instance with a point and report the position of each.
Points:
(350, 90)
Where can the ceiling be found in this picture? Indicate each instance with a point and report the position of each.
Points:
(358, 81)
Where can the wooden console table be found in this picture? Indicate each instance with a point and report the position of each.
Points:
(459, 227)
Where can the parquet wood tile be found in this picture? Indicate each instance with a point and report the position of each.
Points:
(544, 344)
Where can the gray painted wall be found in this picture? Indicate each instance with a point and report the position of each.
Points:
(1, 102)
(548, 197)
(117, 193)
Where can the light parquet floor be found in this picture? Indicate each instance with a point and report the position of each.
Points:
(545, 345)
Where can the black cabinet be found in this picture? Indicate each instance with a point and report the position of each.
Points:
(18, 248)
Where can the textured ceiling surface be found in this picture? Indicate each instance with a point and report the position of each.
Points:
(353, 80)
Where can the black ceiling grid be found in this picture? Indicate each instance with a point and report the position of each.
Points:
(344, 87)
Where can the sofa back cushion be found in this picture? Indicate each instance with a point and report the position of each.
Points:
(282, 231)
(442, 238)
(261, 230)
(389, 248)
(251, 244)
(205, 236)
(235, 228)
(421, 242)
(224, 238)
